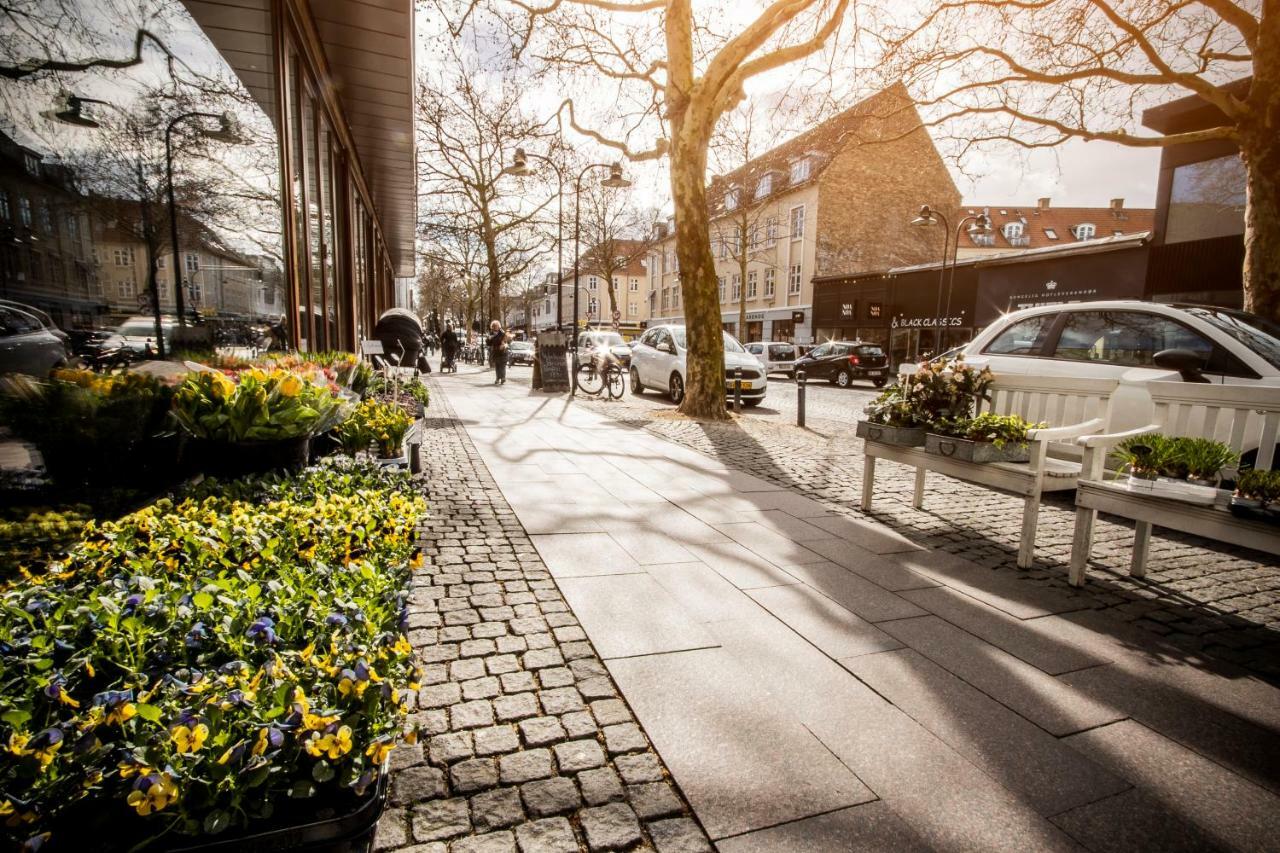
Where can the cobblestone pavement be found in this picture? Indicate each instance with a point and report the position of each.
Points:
(1204, 596)
(526, 743)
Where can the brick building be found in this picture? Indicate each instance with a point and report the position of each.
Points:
(838, 198)
(46, 243)
(1043, 226)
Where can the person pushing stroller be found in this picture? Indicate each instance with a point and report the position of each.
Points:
(448, 349)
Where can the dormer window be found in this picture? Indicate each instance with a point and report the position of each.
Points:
(1012, 230)
(800, 170)
(1085, 231)
(731, 199)
(765, 186)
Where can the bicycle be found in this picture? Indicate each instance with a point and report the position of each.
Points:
(597, 375)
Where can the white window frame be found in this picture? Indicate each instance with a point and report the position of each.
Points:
(634, 285)
(752, 283)
(770, 279)
(736, 287)
(796, 223)
(800, 170)
(731, 199)
(793, 280)
(771, 232)
(24, 210)
(192, 262)
(592, 284)
(1012, 230)
(765, 186)
(1085, 231)
(720, 282)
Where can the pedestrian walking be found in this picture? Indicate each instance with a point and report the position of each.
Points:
(448, 349)
(497, 342)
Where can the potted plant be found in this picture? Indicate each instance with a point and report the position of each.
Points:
(1142, 457)
(1249, 499)
(1179, 467)
(94, 429)
(163, 693)
(263, 420)
(893, 419)
(387, 424)
(1205, 460)
(986, 438)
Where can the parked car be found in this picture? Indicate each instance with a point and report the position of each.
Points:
(27, 344)
(138, 334)
(776, 356)
(841, 362)
(1136, 342)
(520, 352)
(658, 362)
(611, 342)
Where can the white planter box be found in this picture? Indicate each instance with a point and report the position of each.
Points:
(1178, 490)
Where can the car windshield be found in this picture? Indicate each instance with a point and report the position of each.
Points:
(521, 345)
(1259, 335)
(730, 343)
(607, 339)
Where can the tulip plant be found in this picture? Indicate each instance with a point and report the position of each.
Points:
(195, 666)
(260, 405)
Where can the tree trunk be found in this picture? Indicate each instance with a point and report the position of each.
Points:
(743, 262)
(1261, 153)
(704, 372)
(613, 299)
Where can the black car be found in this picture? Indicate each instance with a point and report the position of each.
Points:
(841, 362)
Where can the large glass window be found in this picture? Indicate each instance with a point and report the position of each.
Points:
(1125, 337)
(1206, 200)
(1024, 337)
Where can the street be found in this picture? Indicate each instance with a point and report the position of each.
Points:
(825, 405)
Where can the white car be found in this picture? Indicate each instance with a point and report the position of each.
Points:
(1121, 339)
(776, 356)
(658, 361)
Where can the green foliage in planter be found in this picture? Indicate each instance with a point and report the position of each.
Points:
(418, 390)
(31, 536)
(1175, 457)
(1259, 485)
(88, 427)
(192, 666)
(893, 408)
(260, 405)
(996, 429)
(942, 391)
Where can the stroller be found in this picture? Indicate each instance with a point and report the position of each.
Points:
(401, 333)
(448, 360)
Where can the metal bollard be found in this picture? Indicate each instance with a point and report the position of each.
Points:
(737, 390)
(800, 383)
(415, 459)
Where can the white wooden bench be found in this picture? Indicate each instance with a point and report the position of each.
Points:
(1243, 416)
(1071, 407)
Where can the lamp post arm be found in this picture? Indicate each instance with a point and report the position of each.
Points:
(942, 272)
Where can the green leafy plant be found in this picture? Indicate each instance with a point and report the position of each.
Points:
(1255, 485)
(1204, 457)
(1142, 455)
(387, 424)
(196, 665)
(996, 429)
(259, 405)
(89, 427)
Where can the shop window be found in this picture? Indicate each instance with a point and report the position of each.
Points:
(1130, 338)
(1025, 337)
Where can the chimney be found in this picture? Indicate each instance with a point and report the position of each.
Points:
(1042, 204)
(1117, 207)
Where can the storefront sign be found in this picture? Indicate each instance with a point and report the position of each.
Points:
(873, 311)
(797, 316)
(925, 322)
(846, 309)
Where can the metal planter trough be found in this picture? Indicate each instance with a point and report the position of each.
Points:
(966, 450)
(902, 436)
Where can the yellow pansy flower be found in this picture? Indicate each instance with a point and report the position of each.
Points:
(122, 713)
(18, 744)
(190, 739)
(156, 797)
(378, 751)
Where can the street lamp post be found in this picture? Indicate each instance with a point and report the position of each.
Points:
(979, 223)
(224, 133)
(520, 168)
(615, 179)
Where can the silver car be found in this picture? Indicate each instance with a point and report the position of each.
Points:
(27, 345)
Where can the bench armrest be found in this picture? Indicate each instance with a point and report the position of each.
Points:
(1060, 433)
(1109, 439)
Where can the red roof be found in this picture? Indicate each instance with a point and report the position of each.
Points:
(1042, 225)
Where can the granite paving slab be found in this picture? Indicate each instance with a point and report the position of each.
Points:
(1003, 592)
(834, 629)
(873, 537)
(741, 567)
(571, 555)
(872, 826)
(853, 592)
(788, 525)
(1049, 703)
(774, 547)
(628, 615)
(881, 570)
(743, 763)
(703, 592)
(1017, 754)
(1233, 812)
(646, 546)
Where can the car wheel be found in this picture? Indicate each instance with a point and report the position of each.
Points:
(675, 388)
(879, 383)
(751, 404)
(636, 387)
(843, 378)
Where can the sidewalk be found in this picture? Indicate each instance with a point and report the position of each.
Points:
(815, 681)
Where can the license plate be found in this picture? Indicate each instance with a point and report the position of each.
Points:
(875, 373)
(746, 386)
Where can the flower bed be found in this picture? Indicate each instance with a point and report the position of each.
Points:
(198, 665)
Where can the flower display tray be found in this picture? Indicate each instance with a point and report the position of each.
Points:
(1254, 513)
(902, 436)
(348, 830)
(1178, 490)
(966, 450)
